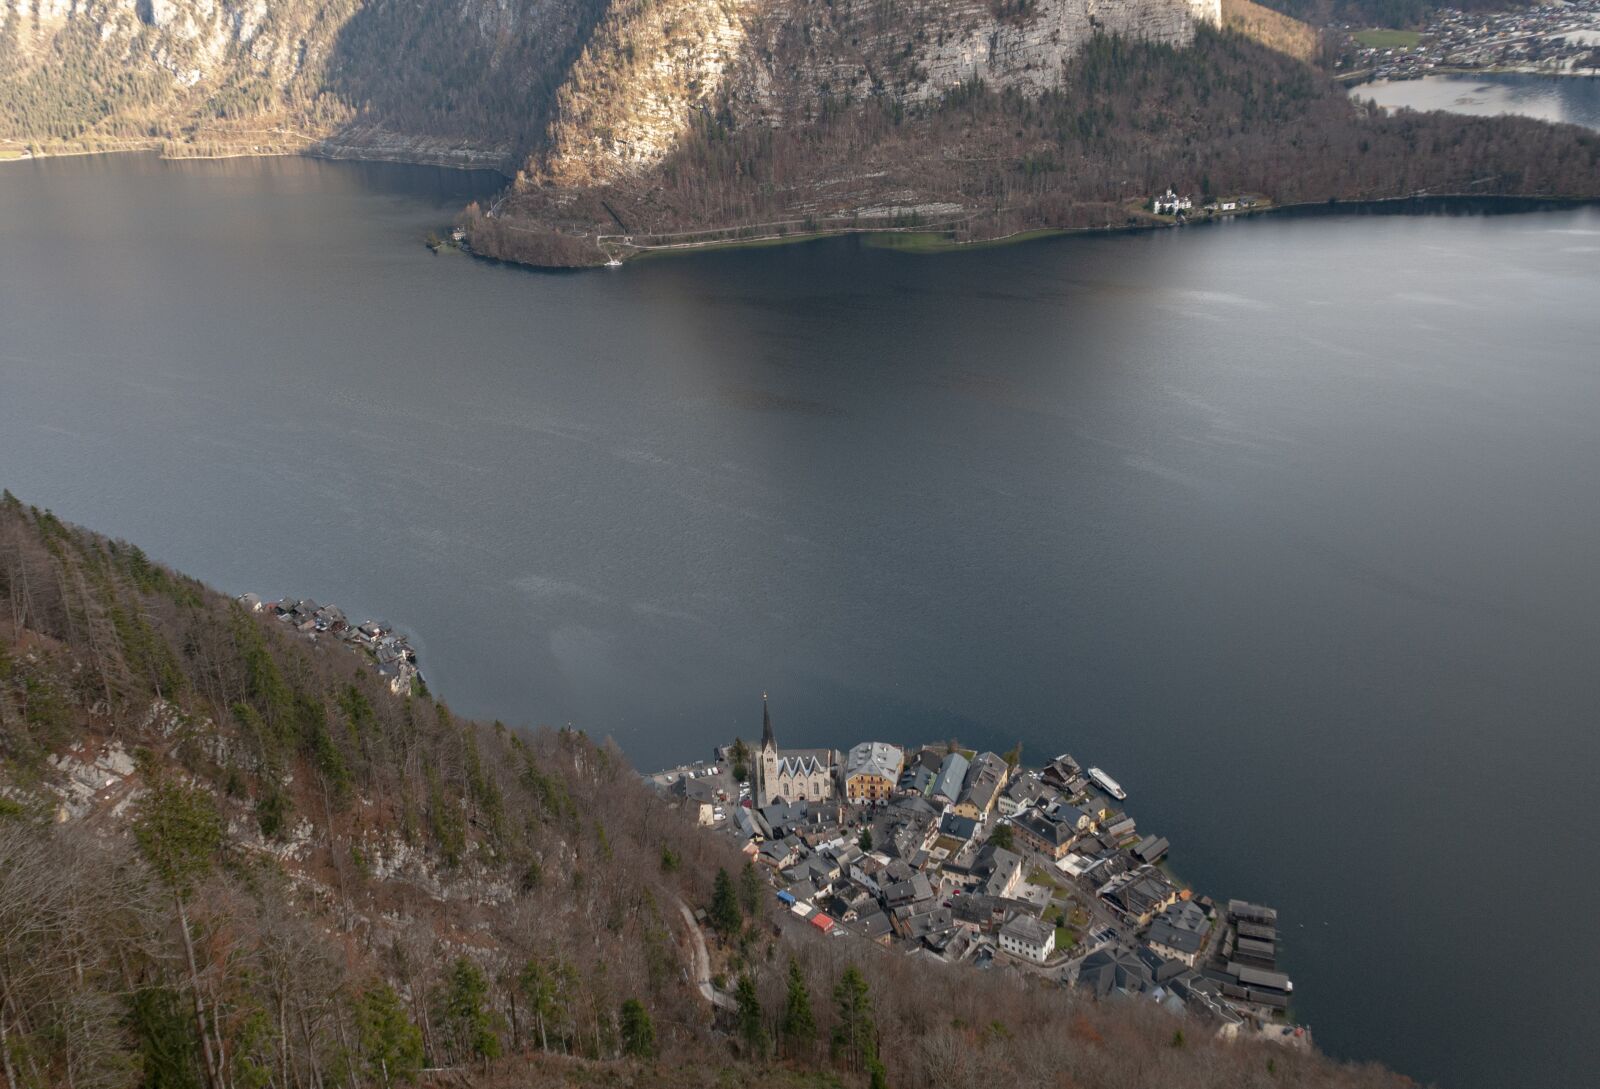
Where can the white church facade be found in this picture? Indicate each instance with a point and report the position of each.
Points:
(792, 775)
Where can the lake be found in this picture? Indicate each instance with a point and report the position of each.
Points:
(1572, 99)
(1290, 524)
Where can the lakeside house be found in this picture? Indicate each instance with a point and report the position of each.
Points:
(1039, 832)
(952, 777)
(1170, 203)
(981, 787)
(1140, 895)
(871, 773)
(1179, 933)
(1024, 792)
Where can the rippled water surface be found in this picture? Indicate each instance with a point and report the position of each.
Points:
(1290, 524)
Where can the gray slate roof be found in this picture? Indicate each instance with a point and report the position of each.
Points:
(952, 775)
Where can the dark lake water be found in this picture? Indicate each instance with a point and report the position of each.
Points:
(1289, 524)
(1573, 99)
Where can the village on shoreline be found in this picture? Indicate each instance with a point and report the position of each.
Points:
(389, 652)
(958, 856)
(1544, 39)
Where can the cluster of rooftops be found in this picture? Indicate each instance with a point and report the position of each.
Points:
(391, 653)
(956, 855)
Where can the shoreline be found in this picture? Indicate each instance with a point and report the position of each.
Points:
(307, 152)
(1051, 850)
(932, 240)
(919, 240)
(1356, 79)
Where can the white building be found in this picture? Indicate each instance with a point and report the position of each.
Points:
(1170, 204)
(1028, 938)
(791, 775)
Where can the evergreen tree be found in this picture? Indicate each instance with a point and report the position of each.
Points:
(865, 839)
(725, 913)
(799, 1025)
(638, 1032)
(391, 1044)
(542, 987)
(1001, 837)
(855, 1036)
(178, 831)
(168, 1049)
(465, 1015)
(750, 889)
(751, 1027)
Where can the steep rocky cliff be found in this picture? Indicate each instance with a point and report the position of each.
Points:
(592, 89)
(143, 68)
(655, 67)
(448, 80)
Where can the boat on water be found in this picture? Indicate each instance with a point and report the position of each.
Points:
(1108, 784)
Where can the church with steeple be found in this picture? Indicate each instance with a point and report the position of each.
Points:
(791, 775)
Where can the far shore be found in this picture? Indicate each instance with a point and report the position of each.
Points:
(934, 240)
(342, 153)
(920, 239)
(1366, 75)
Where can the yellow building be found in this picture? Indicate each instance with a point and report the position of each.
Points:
(985, 778)
(871, 772)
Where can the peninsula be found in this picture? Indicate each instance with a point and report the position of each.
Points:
(1207, 111)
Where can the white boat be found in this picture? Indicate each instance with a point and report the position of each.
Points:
(1108, 784)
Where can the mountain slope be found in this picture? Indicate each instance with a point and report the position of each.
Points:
(448, 80)
(647, 124)
(1271, 28)
(230, 857)
(483, 80)
(1125, 119)
(657, 67)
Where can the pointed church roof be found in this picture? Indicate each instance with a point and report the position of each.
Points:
(767, 741)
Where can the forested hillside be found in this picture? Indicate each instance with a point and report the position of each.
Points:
(1225, 115)
(230, 858)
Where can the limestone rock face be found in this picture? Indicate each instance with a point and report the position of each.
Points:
(461, 70)
(595, 90)
(651, 65)
(653, 69)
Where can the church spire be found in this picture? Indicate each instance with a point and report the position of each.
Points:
(767, 741)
